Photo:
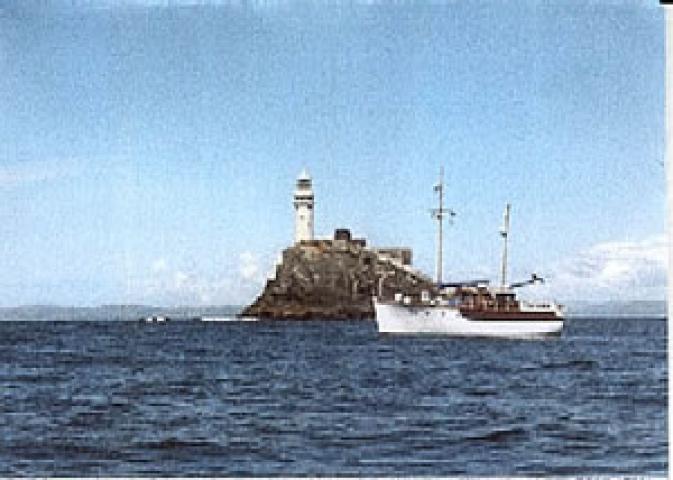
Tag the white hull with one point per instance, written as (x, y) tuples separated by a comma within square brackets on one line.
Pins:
[(405, 319)]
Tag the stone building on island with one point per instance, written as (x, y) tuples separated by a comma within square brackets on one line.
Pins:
[(332, 278)]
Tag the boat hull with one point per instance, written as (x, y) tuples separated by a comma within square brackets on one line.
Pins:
[(396, 318)]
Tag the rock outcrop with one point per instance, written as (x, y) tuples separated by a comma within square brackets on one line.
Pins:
[(332, 279)]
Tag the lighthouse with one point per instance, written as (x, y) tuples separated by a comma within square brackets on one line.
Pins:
[(303, 208)]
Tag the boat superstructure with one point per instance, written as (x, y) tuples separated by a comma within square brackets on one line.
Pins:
[(468, 308)]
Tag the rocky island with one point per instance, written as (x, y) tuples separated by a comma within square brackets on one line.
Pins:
[(332, 278)]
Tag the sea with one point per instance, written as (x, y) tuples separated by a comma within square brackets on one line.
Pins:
[(329, 398)]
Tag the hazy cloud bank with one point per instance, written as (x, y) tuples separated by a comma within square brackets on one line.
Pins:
[(620, 270), (166, 284)]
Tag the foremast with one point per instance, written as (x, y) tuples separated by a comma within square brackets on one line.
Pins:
[(439, 214)]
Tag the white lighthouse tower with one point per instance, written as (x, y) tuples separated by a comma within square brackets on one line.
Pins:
[(303, 208)]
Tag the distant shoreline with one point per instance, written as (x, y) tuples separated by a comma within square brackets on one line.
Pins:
[(575, 310)]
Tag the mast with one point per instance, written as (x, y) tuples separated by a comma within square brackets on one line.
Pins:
[(439, 214), (440, 221), (504, 232)]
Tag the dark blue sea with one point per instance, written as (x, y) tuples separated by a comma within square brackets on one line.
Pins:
[(329, 398)]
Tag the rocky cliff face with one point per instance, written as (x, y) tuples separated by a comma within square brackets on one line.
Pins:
[(332, 279)]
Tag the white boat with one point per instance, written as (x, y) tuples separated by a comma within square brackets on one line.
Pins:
[(155, 319), (467, 308), (531, 320)]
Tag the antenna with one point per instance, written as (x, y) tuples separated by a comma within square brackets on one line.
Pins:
[(439, 214), (504, 231)]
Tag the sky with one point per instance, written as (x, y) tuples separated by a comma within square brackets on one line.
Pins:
[(149, 149)]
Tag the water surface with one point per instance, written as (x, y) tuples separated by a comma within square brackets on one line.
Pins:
[(327, 398)]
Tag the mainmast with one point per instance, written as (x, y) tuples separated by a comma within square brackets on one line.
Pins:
[(504, 232), (439, 214)]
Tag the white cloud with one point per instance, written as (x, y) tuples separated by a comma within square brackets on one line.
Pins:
[(257, 6), (16, 174), (626, 270), (159, 265), (107, 4), (248, 268), (181, 280), (166, 284)]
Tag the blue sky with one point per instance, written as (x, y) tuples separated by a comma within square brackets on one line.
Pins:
[(148, 149)]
